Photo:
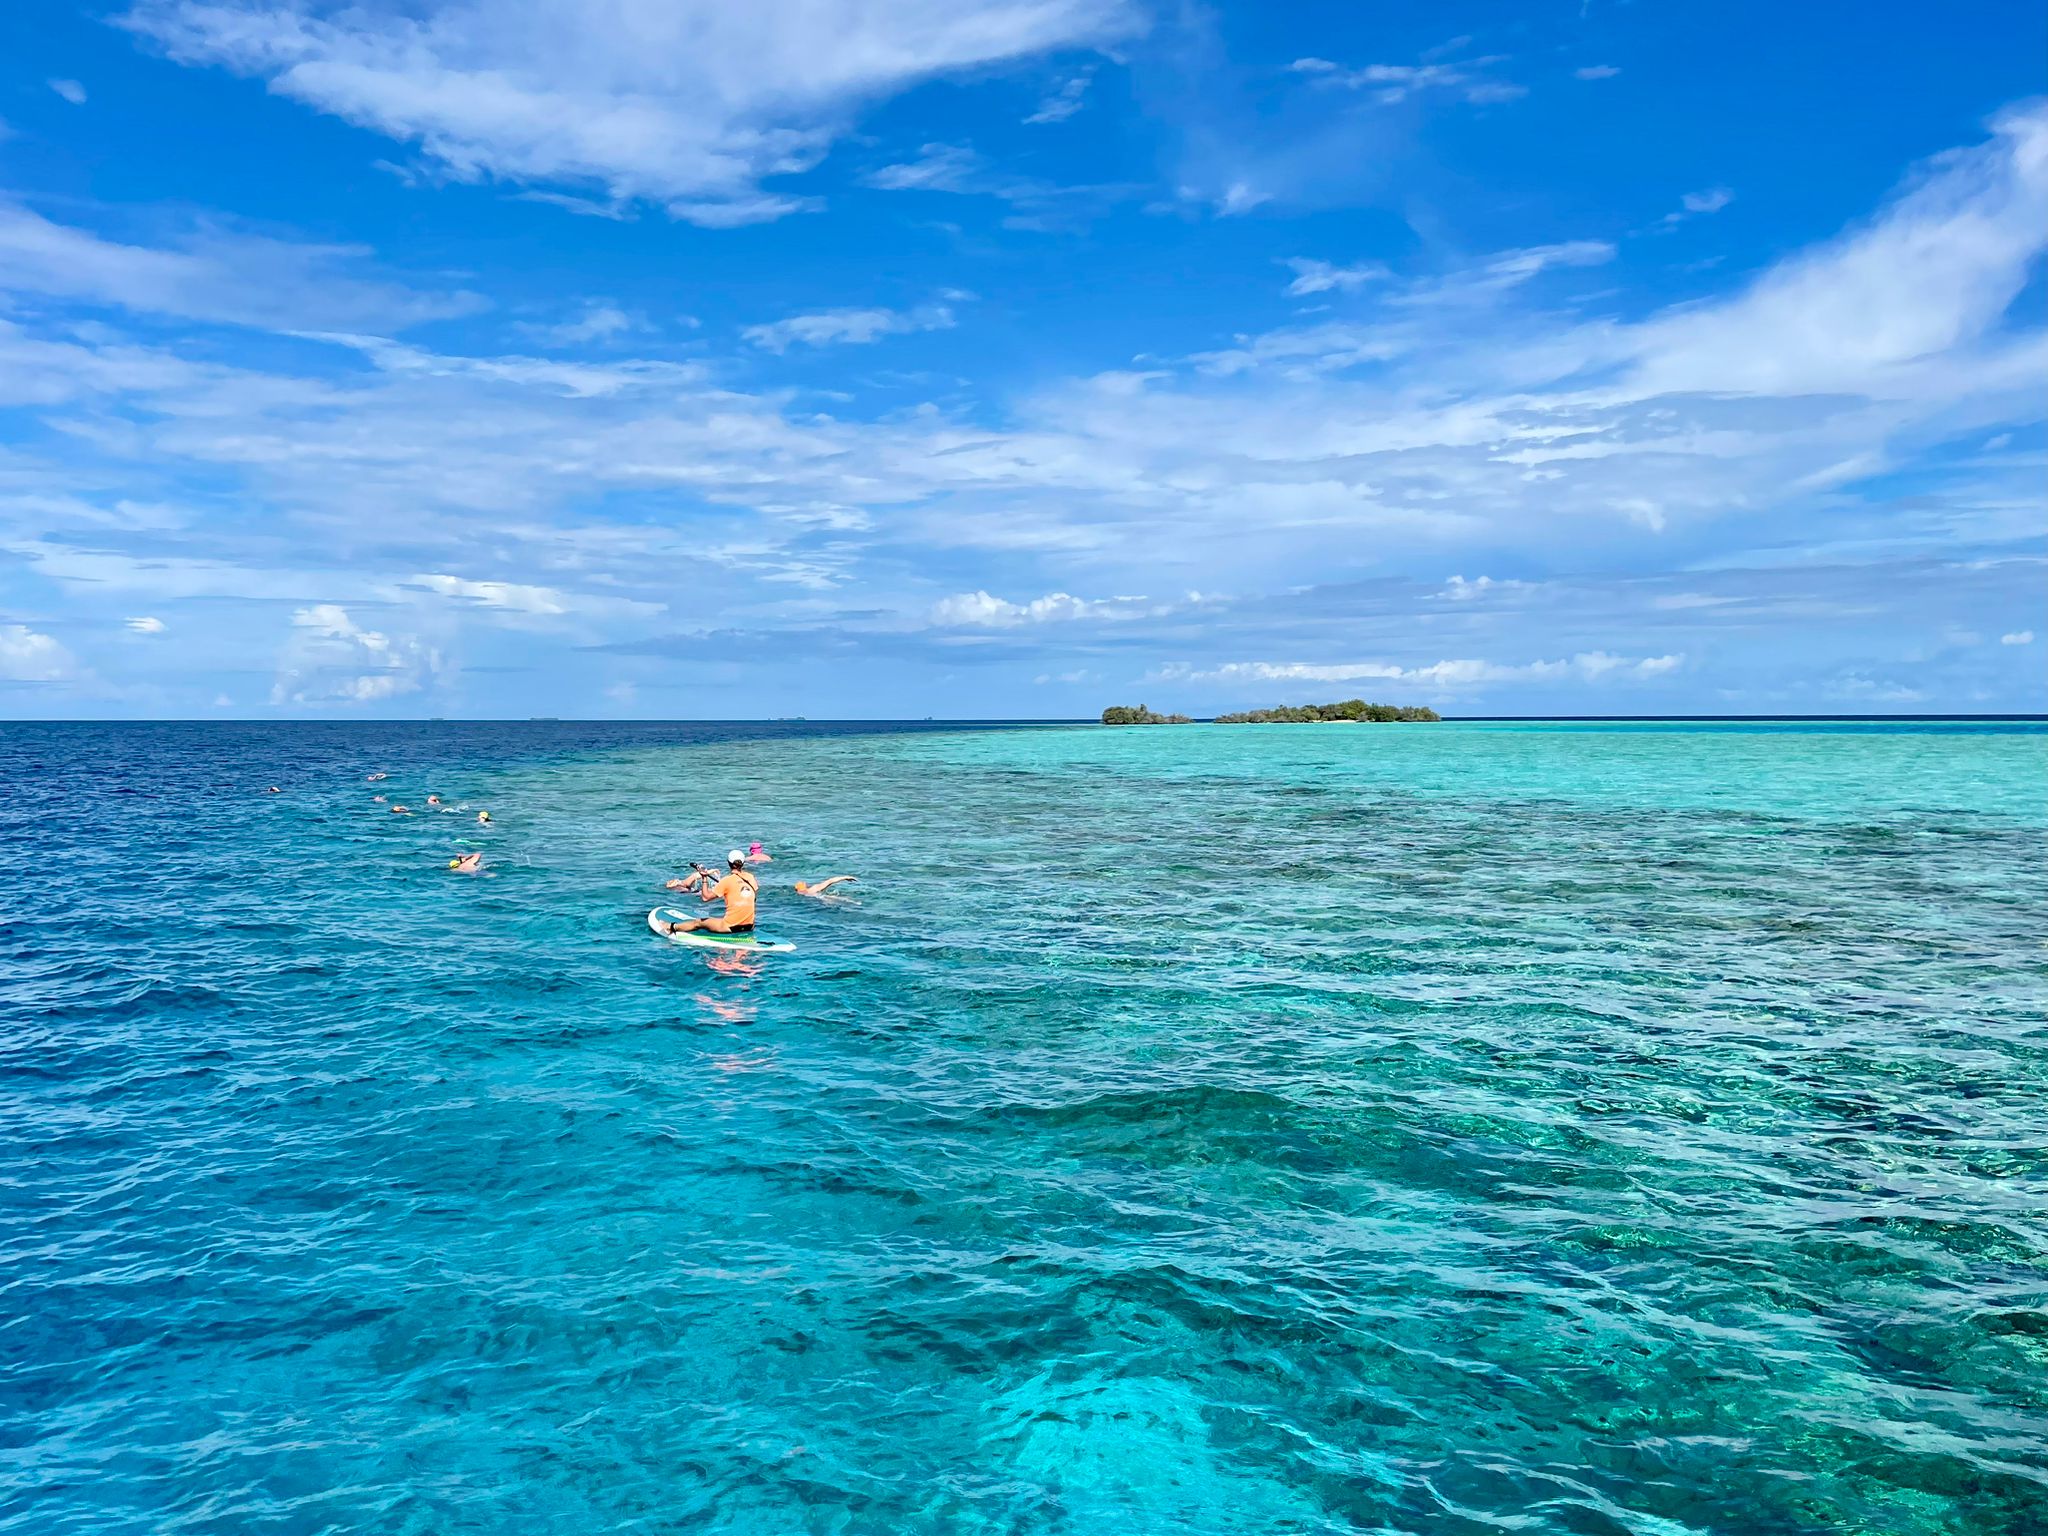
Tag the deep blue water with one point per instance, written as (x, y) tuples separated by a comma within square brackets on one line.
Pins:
[(1451, 1129)]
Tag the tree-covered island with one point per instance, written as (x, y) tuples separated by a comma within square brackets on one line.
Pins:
[(1349, 709), (1128, 714)]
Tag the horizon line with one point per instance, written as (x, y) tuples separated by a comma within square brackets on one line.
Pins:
[(2019, 715)]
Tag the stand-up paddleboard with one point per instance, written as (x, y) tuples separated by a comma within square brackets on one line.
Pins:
[(706, 940)]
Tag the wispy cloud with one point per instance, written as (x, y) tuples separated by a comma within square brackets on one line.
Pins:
[(1312, 276), (598, 323), (833, 327), (1587, 666), (70, 90), (213, 274), (937, 168), (1395, 83), (1064, 102), (688, 104), (1595, 72), (1696, 205)]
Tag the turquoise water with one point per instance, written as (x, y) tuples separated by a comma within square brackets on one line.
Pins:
[(1448, 1129)]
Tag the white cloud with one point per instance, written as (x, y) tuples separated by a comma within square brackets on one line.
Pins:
[(1240, 197), (598, 323), (1395, 83), (937, 168), (1596, 72), (329, 659), (507, 595), (1458, 590), (1420, 436), (847, 326), (1856, 315), (27, 656), (1695, 205), (2017, 637), (70, 90), (1587, 666), (212, 275), (980, 610), (1064, 102), (1321, 276), (737, 212), (518, 599), (146, 624), (688, 103)]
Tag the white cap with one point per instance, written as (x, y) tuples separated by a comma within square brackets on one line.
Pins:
[(735, 857)]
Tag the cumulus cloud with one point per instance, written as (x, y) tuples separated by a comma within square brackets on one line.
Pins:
[(2017, 637), (1417, 436), (980, 610), (847, 327), (27, 656), (330, 659), (688, 104)]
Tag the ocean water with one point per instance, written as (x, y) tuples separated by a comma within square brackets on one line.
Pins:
[(1448, 1129)]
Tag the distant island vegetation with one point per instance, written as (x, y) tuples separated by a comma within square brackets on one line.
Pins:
[(1129, 714), (1288, 714), (1349, 709)]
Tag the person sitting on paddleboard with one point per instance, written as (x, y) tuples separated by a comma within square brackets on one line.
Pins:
[(822, 887), (736, 890)]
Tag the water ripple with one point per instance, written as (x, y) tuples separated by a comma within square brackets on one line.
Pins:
[(1618, 1130)]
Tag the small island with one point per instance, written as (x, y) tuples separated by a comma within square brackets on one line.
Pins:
[(1127, 714), (1349, 710)]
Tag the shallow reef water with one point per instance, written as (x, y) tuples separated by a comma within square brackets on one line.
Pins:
[(1449, 1129)]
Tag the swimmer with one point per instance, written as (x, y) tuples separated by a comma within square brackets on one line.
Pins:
[(433, 799), (756, 854), (736, 890), (467, 864), (375, 777), (401, 810), (822, 887), (376, 799), (274, 790), (483, 818)]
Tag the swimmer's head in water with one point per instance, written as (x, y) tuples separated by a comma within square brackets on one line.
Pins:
[(752, 849)]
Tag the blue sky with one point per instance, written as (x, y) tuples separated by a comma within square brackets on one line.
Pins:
[(677, 358)]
